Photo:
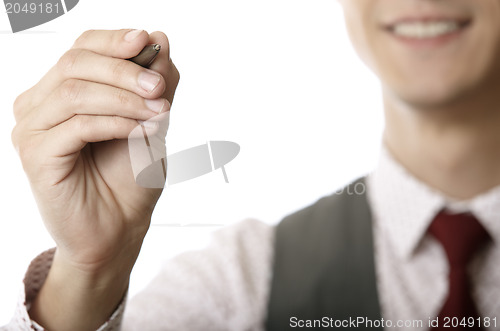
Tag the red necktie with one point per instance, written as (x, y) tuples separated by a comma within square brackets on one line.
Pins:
[(461, 236)]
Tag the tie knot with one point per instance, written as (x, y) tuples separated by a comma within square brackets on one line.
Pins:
[(461, 235)]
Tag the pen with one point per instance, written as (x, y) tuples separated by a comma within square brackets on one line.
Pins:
[(144, 59), (146, 56)]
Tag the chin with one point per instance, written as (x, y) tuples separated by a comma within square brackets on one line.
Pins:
[(434, 90), (424, 97)]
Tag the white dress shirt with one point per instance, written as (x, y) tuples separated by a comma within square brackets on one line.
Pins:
[(226, 286), (412, 268)]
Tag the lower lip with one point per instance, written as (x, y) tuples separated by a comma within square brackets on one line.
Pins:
[(437, 41)]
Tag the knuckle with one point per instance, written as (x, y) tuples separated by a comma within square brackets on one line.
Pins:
[(123, 97), (14, 137), (82, 39), (18, 106), (118, 69), (67, 62), (71, 91), (115, 122), (25, 146), (111, 125), (81, 123), (26, 153)]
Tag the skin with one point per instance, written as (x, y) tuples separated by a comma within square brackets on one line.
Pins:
[(71, 134), (441, 102), (441, 124)]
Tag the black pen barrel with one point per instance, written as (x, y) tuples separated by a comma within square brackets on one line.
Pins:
[(146, 56)]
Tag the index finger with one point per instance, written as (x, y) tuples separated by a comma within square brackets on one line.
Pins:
[(122, 44)]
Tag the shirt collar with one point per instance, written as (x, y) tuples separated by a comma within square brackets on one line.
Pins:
[(486, 207), (403, 206)]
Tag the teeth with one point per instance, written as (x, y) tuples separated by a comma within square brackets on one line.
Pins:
[(422, 30)]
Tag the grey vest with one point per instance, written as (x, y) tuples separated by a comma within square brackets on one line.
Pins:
[(324, 263)]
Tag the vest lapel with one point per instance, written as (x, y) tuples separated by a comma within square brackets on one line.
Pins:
[(324, 263)]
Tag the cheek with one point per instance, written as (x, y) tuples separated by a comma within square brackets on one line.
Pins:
[(487, 47), (361, 36)]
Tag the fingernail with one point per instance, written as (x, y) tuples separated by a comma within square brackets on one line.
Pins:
[(149, 80), (149, 124), (130, 36), (156, 105)]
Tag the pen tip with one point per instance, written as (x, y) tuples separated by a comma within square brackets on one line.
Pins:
[(157, 47)]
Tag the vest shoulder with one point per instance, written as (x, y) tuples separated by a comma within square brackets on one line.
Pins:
[(349, 202)]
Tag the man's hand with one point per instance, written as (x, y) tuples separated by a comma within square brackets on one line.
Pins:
[(71, 134)]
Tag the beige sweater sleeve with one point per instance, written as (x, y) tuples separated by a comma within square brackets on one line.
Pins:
[(223, 287), (33, 281)]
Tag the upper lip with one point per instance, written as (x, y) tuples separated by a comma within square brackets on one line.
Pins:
[(462, 21)]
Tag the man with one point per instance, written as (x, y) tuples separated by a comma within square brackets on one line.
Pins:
[(405, 260)]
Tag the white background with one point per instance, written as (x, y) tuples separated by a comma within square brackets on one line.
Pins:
[(278, 77)]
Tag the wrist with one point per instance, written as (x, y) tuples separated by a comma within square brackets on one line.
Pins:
[(78, 299), (91, 278), (111, 253)]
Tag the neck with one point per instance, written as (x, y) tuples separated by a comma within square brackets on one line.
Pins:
[(454, 149)]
